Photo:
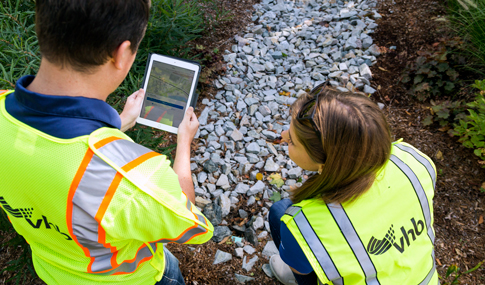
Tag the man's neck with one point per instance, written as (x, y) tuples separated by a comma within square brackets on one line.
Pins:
[(54, 80)]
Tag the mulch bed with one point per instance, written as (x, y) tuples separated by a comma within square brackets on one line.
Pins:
[(458, 204)]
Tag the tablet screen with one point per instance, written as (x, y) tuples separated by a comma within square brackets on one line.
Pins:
[(167, 93)]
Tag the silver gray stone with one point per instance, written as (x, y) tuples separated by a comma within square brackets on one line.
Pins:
[(222, 257)]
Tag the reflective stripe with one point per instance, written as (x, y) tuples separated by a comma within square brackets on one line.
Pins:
[(354, 242), (423, 200), (316, 246), (129, 155), (90, 199), (292, 210), (187, 235), (421, 159), (122, 152), (430, 275), (197, 216)]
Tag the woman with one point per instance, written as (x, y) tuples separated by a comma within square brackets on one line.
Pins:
[(366, 216)]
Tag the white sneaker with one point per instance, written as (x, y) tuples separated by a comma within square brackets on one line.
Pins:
[(281, 270)]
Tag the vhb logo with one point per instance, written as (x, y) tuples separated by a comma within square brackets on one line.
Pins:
[(378, 247), (26, 213)]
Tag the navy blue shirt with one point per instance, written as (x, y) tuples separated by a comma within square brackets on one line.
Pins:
[(64, 117)]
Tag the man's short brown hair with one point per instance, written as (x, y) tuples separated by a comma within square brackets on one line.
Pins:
[(83, 34)]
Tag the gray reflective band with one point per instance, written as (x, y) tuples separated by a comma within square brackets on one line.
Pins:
[(86, 202), (122, 152), (292, 210), (186, 237), (423, 200), (128, 267), (421, 159), (429, 276), (316, 246), (201, 219), (355, 243)]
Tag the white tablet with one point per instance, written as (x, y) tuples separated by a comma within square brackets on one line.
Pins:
[(170, 84)]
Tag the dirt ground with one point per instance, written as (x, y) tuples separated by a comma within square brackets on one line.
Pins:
[(409, 25)]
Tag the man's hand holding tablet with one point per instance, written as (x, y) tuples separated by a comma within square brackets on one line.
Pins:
[(169, 85)]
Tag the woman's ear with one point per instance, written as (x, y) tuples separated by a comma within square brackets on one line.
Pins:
[(320, 168)]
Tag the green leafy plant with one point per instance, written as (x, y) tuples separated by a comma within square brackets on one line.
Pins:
[(471, 129), (433, 72), (466, 18), (445, 113), (455, 270)]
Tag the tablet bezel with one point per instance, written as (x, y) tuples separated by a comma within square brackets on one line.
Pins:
[(190, 65)]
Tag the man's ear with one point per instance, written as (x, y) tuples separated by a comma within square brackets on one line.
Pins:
[(123, 56)]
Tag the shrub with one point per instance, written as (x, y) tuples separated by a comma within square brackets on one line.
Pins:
[(433, 72), (471, 129), (445, 113), (467, 18)]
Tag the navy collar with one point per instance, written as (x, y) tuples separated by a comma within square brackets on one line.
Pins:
[(65, 106)]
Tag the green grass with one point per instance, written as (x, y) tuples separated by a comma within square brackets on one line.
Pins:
[(467, 19)]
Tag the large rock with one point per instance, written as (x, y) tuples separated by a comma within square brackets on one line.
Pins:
[(271, 166), (210, 166), (225, 203), (258, 187), (213, 213), (250, 236), (222, 257), (249, 264), (270, 249), (220, 232), (243, 279)]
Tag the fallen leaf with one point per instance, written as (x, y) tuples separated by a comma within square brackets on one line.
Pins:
[(275, 179), (438, 261), (259, 176), (480, 220), (444, 129), (383, 69), (439, 155), (275, 197), (458, 252), (243, 222), (224, 240)]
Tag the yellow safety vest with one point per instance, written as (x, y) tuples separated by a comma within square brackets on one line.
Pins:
[(385, 236), (96, 208)]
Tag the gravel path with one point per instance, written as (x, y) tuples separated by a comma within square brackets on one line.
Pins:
[(290, 48)]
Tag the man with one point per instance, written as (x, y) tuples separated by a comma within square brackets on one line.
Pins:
[(94, 206)]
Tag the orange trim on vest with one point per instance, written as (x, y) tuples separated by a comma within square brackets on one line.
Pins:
[(105, 141), (137, 161)]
